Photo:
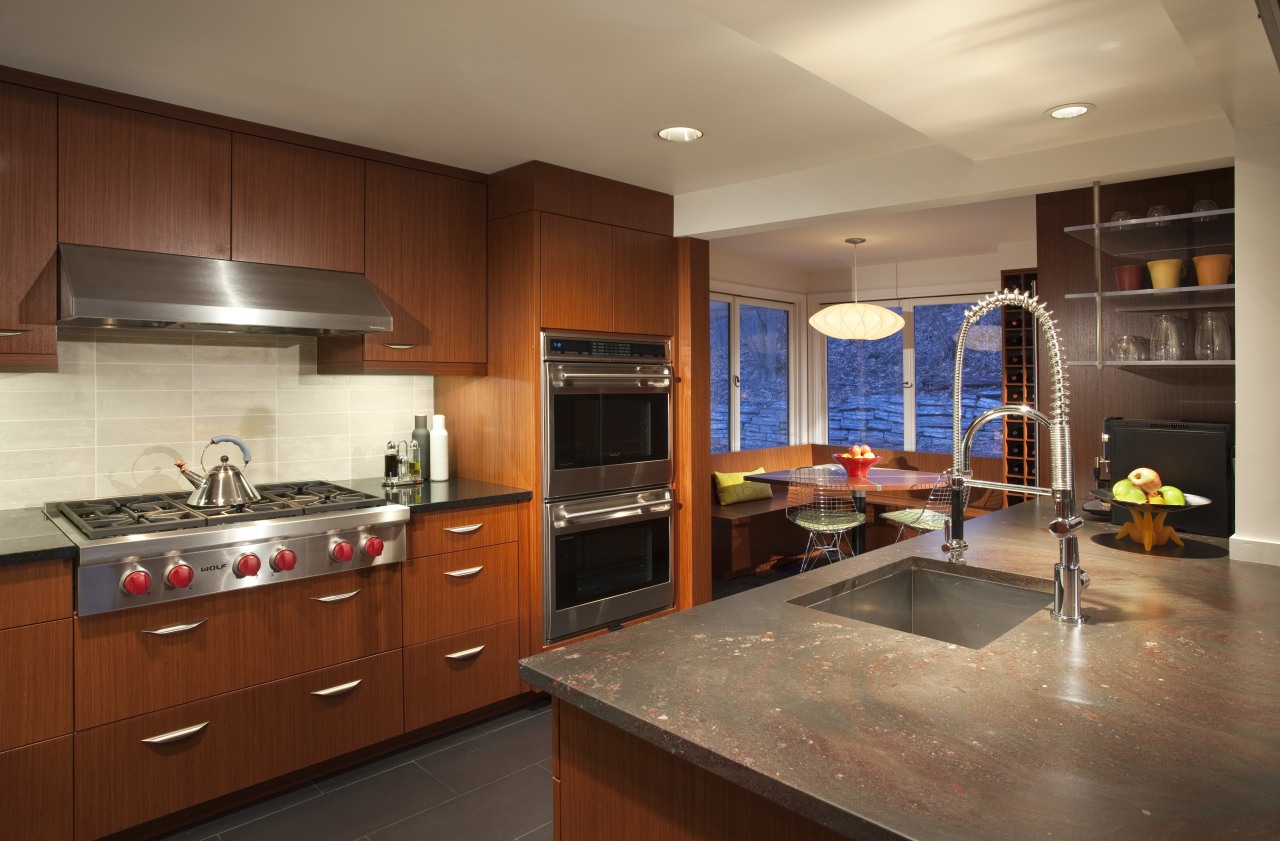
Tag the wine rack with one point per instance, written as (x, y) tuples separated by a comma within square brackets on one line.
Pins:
[(1019, 343)]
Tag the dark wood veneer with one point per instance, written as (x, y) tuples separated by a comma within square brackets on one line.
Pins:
[(536, 185), (36, 797), (577, 274), (35, 592), (644, 283), (436, 687), (692, 422), (35, 683), (437, 605), (428, 534)]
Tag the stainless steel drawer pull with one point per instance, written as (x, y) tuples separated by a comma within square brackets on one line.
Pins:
[(340, 689), (464, 573), (465, 529), (398, 347), (7, 333), (176, 735), (465, 655), (175, 629), (336, 597)]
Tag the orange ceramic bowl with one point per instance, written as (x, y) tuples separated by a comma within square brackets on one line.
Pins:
[(855, 465)]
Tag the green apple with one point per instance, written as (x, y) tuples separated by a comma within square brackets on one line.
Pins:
[(1125, 491), (1172, 496)]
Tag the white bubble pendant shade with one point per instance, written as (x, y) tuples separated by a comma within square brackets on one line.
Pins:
[(856, 321)]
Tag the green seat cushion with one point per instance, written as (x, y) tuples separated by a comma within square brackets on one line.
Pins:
[(828, 522), (916, 518), (731, 488)]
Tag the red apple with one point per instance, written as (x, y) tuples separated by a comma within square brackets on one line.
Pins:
[(1146, 479)]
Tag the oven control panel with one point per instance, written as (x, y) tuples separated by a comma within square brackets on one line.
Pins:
[(604, 347), (143, 579)]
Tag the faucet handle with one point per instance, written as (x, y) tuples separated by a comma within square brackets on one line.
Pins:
[(1064, 526)]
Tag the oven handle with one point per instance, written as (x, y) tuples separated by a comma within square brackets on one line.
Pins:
[(614, 512)]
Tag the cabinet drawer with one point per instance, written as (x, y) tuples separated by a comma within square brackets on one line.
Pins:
[(459, 591), (35, 683), (229, 641), (449, 676), (35, 800), (460, 528), (36, 592), (208, 748)]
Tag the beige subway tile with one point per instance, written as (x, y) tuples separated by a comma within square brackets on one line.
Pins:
[(74, 347), (144, 459), (313, 401), (329, 470), (69, 377), (235, 377), (312, 448), (143, 349), (128, 483), (382, 382), (381, 400), (301, 426), (113, 431), (56, 463), (143, 377), (296, 353), (289, 379), (144, 404), (219, 350), (366, 467), (241, 426), (45, 434), (396, 424), (47, 405), (33, 493), (261, 450), (234, 402)]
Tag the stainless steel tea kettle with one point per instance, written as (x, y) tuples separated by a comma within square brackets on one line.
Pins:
[(225, 484)]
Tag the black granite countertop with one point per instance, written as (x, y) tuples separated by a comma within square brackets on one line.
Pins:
[(26, 535), (1159, 719), (439, 496)]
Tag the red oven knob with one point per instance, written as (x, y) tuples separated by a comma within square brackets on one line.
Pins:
[(284, 560), (137, 582), (373, 547), (179, 576), (342, 551), (248, 565)]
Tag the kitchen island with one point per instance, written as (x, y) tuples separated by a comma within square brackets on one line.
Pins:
[(753, 717)]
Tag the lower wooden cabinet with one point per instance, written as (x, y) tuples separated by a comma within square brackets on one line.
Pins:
[(35, 683), (179, 757), (454, 592), (460, 673), (35, 796)]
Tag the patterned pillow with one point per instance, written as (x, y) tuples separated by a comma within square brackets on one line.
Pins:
[(732, 488)]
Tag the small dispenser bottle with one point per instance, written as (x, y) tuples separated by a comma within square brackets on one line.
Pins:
[(415, 463), (422, 435), (390, 466), (439, 450)]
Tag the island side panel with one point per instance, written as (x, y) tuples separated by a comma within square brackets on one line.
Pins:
[(613, 785)]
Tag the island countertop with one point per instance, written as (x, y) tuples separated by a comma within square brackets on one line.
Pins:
[(1160, 718)]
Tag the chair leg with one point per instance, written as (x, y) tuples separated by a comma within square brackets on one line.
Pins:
[(830, 549)]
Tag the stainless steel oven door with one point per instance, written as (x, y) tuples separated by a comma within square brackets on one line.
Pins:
[(606, 426), (605, 559)]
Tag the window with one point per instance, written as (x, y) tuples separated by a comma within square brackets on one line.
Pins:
[(751, 373), (896, 392)]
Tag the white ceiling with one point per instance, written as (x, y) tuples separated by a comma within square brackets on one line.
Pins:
[(823, 118)]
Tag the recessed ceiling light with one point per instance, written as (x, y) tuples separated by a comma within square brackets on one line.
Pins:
[(1071, 109), (680, 134)]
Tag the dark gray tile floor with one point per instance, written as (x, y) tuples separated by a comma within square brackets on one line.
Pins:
[(488, 782)]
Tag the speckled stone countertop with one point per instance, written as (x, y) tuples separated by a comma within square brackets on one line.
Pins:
[(26, 535), (1160, 719), (439, 496)]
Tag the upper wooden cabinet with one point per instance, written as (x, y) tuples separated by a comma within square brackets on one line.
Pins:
[(29, 232), (425, 254), (296, 206), (143, 182), (605, 278)]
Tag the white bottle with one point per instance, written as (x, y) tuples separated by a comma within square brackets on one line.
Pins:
[(439, 450)]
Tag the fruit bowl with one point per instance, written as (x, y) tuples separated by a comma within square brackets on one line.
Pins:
[(1193, 501), (855, 465)]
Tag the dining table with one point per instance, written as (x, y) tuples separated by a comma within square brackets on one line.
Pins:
[(878, 479)]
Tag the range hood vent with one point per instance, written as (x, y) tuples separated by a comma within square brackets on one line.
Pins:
[(112, 287)]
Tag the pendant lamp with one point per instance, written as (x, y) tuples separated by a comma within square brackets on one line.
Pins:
[(856, 320)]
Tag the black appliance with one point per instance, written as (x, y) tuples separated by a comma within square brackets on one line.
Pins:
[(1198, 458)]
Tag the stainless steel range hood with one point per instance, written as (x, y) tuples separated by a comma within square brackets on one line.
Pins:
[(112, 287)]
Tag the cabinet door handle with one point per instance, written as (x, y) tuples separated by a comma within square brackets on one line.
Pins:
[(466, 654), (398, 347), (340, 689), (336, 597), (176, 735), (465, 529), (175, 629), (464, 573), (4, 334)]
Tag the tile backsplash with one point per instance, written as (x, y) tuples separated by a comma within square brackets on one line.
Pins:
[(124, 405)]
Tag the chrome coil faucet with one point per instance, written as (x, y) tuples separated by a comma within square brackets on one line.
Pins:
[(1069, 580)]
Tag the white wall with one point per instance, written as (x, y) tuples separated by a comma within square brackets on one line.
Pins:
[(1257, 536), (124, 406)]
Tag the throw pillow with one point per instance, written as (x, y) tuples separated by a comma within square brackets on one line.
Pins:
[(731, 488)]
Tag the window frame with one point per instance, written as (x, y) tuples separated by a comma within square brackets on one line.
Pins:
[(736, 295)]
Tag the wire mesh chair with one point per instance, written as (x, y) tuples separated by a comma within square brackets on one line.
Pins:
[(933, 515), (820, 501)]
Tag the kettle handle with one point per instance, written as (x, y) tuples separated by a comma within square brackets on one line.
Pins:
[(231, 439)]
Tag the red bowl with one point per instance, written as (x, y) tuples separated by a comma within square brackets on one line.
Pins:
[(855, 465)]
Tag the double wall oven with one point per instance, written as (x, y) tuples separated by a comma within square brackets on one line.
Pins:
[(606, 456)]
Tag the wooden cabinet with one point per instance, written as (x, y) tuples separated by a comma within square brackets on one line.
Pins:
[(185, 755), (604, 278), (425, 254), (35, 592), (123, 667), (36, 797), (132, 180), (35, 683), (461, 604), (28, 233), (296, 206)]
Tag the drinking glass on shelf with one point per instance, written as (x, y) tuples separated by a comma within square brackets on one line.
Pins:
[(1127, 349), (1204, 206), (1157, 210), (1168, 338), (1213, 336), (1121, 216)]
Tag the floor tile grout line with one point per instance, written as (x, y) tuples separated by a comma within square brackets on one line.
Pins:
[(537, 764), (456, 793), (535, 829)]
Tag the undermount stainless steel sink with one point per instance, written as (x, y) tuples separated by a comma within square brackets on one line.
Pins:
[(964, 605)]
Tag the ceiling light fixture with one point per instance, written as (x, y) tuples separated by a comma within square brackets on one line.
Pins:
[(679, 134), (1070, 110), (856, 320)]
